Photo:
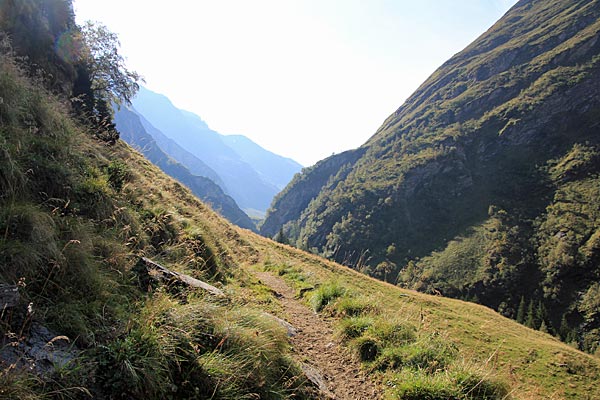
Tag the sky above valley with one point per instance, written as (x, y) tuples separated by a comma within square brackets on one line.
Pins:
[(302, 78)]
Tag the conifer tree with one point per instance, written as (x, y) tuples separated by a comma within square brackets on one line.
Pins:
[(281, 238), (541, 317), (530, 318), (521, 311), (564, 330)]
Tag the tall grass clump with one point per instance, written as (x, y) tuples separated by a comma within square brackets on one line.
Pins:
[(413, 363), (325, 295), (353, 306), (201, 349), (455, 384)]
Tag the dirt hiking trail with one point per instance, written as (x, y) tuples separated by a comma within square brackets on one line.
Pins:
[(324, 361)]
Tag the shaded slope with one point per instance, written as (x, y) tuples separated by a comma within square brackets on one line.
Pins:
[(133, 132), (178, 153), (290, 202), (252, 189), (477, 138)]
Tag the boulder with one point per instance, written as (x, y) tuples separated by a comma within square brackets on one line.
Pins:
[(150, 271)]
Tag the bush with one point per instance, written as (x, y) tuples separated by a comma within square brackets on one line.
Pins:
[(118, 174)]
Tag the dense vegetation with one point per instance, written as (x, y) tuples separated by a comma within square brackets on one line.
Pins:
[(483, 185)]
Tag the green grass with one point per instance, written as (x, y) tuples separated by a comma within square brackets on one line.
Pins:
[(430, 345), (75, 216), (72, 230), (325, 295)]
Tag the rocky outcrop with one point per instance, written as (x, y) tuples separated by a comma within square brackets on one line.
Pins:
[(151, 272)]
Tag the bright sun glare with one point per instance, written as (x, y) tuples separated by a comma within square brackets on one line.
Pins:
[(302, 78)]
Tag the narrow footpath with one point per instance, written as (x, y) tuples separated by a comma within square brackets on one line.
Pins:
[(337, 374)]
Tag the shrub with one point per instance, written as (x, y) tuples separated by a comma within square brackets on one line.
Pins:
[(118, 174)]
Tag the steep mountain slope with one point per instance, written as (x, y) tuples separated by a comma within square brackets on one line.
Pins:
[(491, 163), (133, 131), (303, 188), (252, 188), (83, 317), (273, 168), (169, 146)]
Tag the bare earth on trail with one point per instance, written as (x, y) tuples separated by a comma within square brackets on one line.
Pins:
[(322, 357)]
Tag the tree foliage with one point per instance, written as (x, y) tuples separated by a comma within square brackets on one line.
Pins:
[(103, 78)]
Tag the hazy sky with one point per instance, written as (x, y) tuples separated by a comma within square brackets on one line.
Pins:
[(302, 78)]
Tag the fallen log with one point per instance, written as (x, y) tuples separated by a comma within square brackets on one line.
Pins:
[(154, 271)]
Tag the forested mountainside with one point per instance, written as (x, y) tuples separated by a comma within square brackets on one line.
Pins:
[(249, 173), (117, 283), (132, 130), (484, 184)]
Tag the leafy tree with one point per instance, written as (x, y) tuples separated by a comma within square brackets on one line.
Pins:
[(103, 79)]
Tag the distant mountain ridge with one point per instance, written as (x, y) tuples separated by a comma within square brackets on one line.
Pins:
[(484, 183), (134, 130), (246, 171)]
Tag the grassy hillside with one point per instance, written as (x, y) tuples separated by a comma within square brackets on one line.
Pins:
[(77, 214), (482, 185), (132, 131), (423, 341)]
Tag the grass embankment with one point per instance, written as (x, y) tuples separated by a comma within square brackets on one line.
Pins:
[(422, 346), (75, 216)]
